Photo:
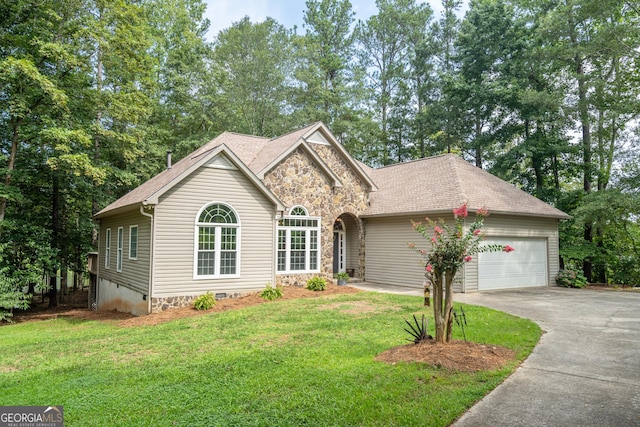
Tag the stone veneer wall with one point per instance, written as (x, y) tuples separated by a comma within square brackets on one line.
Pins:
[(299, 181), (159, 305)]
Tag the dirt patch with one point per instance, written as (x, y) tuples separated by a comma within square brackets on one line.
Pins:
[(456, 355), (357, 307)]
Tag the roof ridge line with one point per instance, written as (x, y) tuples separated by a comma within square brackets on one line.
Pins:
[(414, 161), (458, 182), (293, 131)]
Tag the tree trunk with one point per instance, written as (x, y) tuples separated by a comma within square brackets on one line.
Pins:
[(438, 317), (583, 107), (443, 306), (55, 233), (448, 305), (478, 132), (96, 139), (10, 167)]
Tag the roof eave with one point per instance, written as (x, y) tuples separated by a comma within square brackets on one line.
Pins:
[(154, 198), (117, 211), (558, 217)]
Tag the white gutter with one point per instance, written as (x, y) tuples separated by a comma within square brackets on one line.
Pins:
[(151, 253)]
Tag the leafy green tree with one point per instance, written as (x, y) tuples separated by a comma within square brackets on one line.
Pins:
[(387, 49), (77, 78), (451, 248), (120, 40), (444, 111), (485, 46), (255, 62), (588, 40), (324, 62), (186, 112)]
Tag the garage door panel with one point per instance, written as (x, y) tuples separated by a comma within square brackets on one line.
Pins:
[(525, 266)]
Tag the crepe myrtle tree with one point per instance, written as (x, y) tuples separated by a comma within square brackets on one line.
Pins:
[(451, 247)]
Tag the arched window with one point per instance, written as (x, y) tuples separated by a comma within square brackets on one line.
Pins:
[(298, 242), (217, 240)]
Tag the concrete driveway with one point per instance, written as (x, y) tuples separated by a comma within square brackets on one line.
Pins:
[(584, 372)]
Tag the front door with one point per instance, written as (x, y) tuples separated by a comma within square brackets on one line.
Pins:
[(339, 247)]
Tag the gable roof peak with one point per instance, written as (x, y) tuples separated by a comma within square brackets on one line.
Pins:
[(441, 183)]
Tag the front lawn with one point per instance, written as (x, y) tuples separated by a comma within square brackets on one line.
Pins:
[(295, 362)]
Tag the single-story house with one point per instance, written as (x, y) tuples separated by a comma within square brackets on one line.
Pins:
[(243, 211)]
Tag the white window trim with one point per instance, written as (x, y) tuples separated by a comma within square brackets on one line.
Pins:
[(107, 248), (308, 249), (218, 243), (131, 227), (119, 249)]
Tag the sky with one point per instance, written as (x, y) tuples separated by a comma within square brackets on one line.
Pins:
[(223, 13)]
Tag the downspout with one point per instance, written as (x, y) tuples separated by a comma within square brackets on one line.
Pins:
[(151, 252), (274, 247), (98, 271)]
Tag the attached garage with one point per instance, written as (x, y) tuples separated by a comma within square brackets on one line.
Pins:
[(432, 188), (525, 267)]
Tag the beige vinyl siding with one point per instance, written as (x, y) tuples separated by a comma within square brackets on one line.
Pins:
[(388, 260), (518, 226), (135, 273), (387, 256), (175, 218)]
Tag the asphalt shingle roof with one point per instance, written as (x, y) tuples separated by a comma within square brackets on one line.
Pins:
[(434, 184), (441, 183)]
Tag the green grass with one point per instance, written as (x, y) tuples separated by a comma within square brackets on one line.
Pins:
[(295, 362)]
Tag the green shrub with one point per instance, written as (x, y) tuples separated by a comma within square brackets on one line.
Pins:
[(343, 276), (11, 295), (317, 283), (270, 293), (570, 278), (204, 302)]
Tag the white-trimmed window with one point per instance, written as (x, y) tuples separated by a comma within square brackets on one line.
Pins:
[(119, 253), (217, 238), (133, 242), (107, 248), (298, 242)]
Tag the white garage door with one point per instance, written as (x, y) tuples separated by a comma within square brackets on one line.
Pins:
[(525, 266)]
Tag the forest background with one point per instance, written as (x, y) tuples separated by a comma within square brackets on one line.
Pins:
[(93, 93)]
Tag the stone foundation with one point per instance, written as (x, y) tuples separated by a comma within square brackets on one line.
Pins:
[(298, 280), (159, 305)]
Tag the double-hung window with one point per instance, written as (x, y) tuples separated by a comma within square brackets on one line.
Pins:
[(133, 242), (217, 241), (119, 249), (298, 242), (107, 248)]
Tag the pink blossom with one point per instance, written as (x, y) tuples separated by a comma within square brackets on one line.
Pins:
[(467, 258), (508, 248), (433, 240), (476, 232), (411, 245), (482, 212), (437, 230), (429, 268), (461, 211)]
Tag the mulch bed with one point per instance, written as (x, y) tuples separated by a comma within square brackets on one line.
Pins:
[(456, 355)]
